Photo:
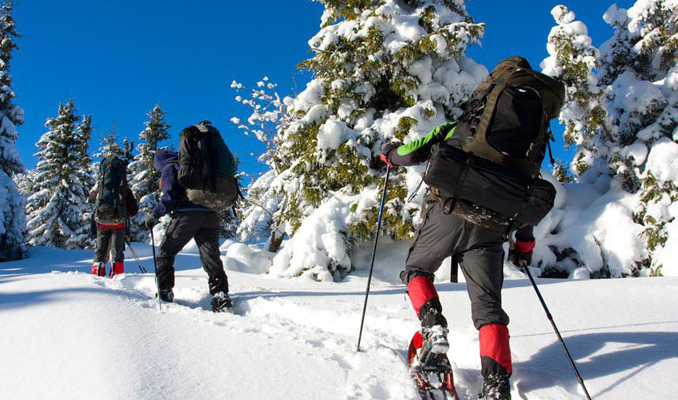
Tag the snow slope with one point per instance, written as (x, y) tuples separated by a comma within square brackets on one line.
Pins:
[(65, 334)]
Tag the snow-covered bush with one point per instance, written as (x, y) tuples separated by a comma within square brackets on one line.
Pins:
[(267, 115)]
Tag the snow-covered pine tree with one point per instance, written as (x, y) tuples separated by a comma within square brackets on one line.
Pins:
[(83, 170), (12, 215), (57, 206), (622, 111), (639, 66), (572, 60), (81, 145), (109, 145), (128, 149), (384, 70), (144, 177)]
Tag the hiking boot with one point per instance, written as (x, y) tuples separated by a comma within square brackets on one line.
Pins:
[(433, 333), (496, 387), (435, 340), (167, 295), (221, 302)]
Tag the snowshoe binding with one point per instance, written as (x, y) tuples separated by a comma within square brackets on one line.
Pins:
[(221, 303), (429, 366)]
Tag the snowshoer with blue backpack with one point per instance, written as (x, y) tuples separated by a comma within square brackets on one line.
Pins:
[(484, 182), (196, 184)]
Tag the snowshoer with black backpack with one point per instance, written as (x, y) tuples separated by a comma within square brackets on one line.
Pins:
[(484, 182), (114, 205), (196, 183)]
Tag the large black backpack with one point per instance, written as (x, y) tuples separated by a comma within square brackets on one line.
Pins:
[(207, 167), (110, 208), (488, 170)]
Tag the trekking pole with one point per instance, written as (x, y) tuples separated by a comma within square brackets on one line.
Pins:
[(526, 268), (374, 252), (136, 256), (155, 267)]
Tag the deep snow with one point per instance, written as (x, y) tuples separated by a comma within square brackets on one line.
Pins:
[(68, 335)]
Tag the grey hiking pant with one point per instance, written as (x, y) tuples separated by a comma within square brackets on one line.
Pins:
[(110, 241), (203, 226), (480, 255)]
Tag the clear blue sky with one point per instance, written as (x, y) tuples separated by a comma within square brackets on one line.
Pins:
[(117, 59)]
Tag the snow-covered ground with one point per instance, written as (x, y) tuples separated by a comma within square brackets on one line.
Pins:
[(65, 334)]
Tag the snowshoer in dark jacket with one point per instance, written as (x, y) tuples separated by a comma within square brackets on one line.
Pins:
[(189, 221), (478, 251), (110, 237)]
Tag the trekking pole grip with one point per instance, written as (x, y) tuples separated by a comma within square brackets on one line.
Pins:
[(374, 252)]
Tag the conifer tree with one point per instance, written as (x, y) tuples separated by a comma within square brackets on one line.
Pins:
[(572, 60), (81, 145), (383, 71), (144, 177), (83, 169), (639, 65), (12, 215), (109, 145), (57, 208), (127, 149), (622, 111)]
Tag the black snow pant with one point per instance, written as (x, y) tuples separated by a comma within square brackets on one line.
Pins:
[(110, 241), (480, 255), (203, 226)]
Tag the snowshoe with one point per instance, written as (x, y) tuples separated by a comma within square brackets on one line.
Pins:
[(432, 373), (221, 303)]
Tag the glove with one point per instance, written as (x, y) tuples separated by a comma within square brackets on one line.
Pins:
[(520, 254), (388, 147), (150, 221)]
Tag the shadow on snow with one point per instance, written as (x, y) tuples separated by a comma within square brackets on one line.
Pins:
[(638, 350)]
